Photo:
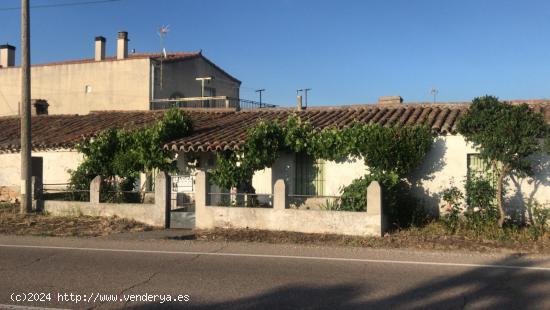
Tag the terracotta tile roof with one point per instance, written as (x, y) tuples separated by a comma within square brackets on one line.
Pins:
[(229, 132), (222, 129), (64, 131)]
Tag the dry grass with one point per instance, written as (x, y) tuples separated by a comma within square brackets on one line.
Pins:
[(433, 237), (11, 222)]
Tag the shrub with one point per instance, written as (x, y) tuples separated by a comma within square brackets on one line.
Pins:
[(539, 222), (482, 207), (453, 197)]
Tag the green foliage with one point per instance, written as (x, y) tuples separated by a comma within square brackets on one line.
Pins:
[(391, 150), (482, 209), (506, 135), (540, 217), (119, 155), (453, 197)]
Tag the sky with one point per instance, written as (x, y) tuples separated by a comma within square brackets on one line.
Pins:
[(347, 52)]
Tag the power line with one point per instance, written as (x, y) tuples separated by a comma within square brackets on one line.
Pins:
[(56, 5)]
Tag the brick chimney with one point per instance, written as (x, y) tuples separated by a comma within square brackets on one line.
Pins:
[(7, 55), (122, 45), (100, 48), (390, 100)]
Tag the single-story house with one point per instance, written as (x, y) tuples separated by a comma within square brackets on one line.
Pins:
[(448, 162)]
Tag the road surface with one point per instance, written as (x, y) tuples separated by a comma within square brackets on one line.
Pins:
[(143, 274)]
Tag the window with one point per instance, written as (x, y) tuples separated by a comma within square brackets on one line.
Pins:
[(88, 89), (478, 167), (309, 176)]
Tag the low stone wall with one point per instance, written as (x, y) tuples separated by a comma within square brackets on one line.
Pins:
[(145, 213), (157, 214), (305, 221), (370, 223)]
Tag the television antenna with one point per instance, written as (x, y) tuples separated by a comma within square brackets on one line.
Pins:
[(162, 32), (434, 92)]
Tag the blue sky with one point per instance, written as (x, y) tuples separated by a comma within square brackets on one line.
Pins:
[(346, 51)]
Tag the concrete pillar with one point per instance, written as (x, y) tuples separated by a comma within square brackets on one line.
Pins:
[(162, 197), (200, 189), (279, 195), (374, 207), (95, 187)]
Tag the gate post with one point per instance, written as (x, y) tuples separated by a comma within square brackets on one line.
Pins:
[(162, 198), (374, 208)]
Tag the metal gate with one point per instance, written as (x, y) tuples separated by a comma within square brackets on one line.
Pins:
[(182, 201)]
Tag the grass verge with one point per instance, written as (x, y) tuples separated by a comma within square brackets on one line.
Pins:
[(433, 236), (37, 224)]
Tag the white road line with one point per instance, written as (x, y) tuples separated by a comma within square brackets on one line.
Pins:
[(338, 259)]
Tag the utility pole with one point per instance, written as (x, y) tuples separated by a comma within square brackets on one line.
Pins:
[(26, 169), (305, 92), (260, 92)]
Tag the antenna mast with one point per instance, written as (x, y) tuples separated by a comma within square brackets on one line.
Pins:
[(162, 32)]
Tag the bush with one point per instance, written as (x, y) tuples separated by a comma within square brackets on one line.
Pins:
[(453, 197), (482, 207), (400, 206), (539, 222)]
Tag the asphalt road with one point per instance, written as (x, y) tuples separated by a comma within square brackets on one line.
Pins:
[(261, 276)]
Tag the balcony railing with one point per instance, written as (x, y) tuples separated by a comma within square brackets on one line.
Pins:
[(218, 102)]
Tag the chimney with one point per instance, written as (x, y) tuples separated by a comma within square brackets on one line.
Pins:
[(390, 100), (99, 48), (299, 103), (122, 45), (7, 55)]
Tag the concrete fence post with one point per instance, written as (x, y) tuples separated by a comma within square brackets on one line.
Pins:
[(162, 198), (375, 209), (95, 187), (201, 196), (279, 195)]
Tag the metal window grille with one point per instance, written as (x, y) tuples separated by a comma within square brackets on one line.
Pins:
[(309, 175)]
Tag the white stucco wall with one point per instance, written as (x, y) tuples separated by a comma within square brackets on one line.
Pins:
[(444, 165), (55, 169)]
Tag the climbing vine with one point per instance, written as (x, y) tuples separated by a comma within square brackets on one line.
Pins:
[(386, 150)]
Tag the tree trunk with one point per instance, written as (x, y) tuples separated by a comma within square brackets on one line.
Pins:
[(501, 177)]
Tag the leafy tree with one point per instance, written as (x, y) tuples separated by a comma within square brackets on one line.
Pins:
[(119, 155), (506, 135)]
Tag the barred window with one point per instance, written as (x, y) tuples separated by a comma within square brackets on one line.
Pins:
[(309, 176)]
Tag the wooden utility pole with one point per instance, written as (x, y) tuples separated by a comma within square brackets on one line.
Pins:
[(26, 170)]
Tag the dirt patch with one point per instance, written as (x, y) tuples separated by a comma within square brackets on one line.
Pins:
[(431, 237), (11, 222)]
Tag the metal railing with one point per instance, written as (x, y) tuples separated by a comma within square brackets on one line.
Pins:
[(217, 102), (61, 191), (315, 202), (240, 200)]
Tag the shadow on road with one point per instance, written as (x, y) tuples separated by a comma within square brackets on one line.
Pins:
[(482, 287)]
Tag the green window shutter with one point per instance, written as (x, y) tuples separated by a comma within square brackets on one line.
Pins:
[(310, 178)]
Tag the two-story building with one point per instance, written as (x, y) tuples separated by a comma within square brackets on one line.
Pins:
[(126, 81)]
